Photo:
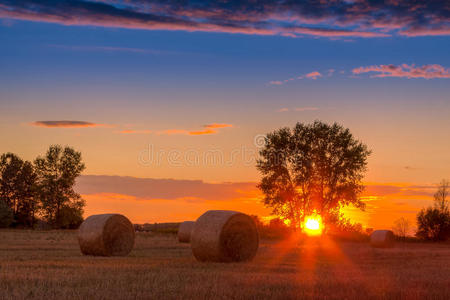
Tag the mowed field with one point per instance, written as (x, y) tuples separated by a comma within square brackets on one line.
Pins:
[(49, 265)]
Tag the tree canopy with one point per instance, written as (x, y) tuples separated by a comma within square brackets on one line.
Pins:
[(312, 168), (57, 171), (43, 189)]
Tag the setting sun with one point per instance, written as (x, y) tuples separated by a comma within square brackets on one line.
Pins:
[(313, 225)]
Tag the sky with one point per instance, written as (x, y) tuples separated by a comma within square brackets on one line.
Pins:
[(168, 100)]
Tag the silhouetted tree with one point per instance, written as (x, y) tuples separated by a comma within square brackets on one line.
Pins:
[(6, 215), (401, 227), (440, 197), (312, 167), (57, 171), (17, 188), (433, 223)]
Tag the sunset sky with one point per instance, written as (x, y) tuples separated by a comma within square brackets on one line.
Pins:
[(167, 100)]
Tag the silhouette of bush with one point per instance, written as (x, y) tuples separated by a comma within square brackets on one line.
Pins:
[(433, 224)]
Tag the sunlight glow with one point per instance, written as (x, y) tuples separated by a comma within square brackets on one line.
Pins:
[(313, 225)]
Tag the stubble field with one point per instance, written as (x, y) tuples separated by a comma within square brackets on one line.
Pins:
[(49, 265)]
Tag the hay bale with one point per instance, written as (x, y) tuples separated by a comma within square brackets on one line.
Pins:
[(224, 236), (184, 231), (382, 239), (106, 235)]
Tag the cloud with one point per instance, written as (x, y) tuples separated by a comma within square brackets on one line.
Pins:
[(170, 189), (110, 49), (332, 19), (209, 129), (217, 125), (165, 200), (202, 132), (313, 75), (276, 82), (405, 71), (131, 131), (67, 124), (307, 108)]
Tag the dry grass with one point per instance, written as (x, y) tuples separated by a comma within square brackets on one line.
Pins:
[(49, 265)]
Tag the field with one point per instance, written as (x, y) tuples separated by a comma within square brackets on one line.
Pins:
[(48, 265)]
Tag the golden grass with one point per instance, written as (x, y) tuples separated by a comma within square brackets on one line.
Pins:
[(49, 265)]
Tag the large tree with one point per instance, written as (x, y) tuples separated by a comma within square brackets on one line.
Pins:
[(57, 170), (312, 168), (17, 188), (433, 223)]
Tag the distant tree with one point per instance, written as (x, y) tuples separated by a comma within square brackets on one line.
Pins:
[(17, 188), (56, 173), (440, 197), (6, 215), (401, 227), (433, 223), (312, 167)]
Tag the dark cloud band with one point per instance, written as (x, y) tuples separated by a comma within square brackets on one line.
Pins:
[(339, 18)]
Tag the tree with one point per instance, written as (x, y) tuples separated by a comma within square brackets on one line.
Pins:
[(6, 215), (440, 197), (401, 227), (433, 223), (311, 168), (17, 188), (57, 172)]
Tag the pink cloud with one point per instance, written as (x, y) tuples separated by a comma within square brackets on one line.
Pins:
[(405, 71), (313, 75), (276, 82)]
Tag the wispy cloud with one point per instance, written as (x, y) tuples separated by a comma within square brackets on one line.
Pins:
[(276, 82), (208, 129), (331, 19), (131, 131), (307, 108), (202, 132), (67, 124), (405, 71), (217, 125), (111, 49), (312, 75)]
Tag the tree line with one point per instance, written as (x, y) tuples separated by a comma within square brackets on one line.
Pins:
[(41, 190)]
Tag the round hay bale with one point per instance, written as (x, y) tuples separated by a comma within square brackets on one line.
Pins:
[(184, 231), (224, 236), (382, 239), (106, 235)]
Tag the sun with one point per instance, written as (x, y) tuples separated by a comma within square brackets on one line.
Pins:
[(313, 225)]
